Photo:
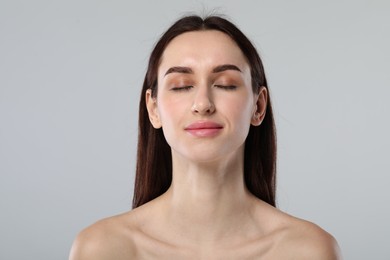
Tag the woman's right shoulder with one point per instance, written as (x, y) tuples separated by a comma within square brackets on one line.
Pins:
[(110, 238)]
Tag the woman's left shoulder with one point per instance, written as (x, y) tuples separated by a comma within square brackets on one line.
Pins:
[(295, 238), (307, 240)]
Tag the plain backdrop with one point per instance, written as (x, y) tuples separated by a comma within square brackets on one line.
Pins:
[(70, 78)]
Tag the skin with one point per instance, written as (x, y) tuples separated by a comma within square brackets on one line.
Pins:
[(207, 213)]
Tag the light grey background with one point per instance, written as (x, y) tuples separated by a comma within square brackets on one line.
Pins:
[(70, 78)]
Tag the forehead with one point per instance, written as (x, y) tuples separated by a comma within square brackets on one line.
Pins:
[(209, 47)]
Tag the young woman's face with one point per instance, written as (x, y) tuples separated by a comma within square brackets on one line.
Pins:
[(205, 103)]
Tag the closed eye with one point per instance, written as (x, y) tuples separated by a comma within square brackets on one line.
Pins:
[(226, 87), (184, 88)]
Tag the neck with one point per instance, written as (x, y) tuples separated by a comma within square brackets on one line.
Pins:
[(210, 196)]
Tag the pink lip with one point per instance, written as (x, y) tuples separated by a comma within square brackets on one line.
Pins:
[(203, 129)]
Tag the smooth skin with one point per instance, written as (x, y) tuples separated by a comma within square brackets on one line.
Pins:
[(207, 213)]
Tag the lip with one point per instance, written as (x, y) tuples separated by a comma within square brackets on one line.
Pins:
[(204, 129)]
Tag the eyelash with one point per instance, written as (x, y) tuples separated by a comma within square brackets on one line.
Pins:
[(184, 88), (227, 87), (187, 88)]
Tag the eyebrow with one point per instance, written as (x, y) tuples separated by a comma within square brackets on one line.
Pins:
[(187, 70), (225, 67), (177, 69)]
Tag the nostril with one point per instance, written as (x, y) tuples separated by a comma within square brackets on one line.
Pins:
[(203, 107)]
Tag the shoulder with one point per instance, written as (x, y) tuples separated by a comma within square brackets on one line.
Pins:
[(294, 238), (110, 238), (306, 240)]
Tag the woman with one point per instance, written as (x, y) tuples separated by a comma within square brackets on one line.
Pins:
[(205, 180)]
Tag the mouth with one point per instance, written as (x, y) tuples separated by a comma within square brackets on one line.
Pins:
[(204, 129)]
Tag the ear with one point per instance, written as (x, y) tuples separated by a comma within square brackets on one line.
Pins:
[(151, 105), (260, 107)]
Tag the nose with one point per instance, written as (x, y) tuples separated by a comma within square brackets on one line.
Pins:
[(203, 103)]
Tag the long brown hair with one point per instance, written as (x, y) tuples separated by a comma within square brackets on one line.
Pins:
[(154, 160)]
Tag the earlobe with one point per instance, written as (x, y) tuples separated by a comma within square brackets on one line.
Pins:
[(151, 105), (260, 107)]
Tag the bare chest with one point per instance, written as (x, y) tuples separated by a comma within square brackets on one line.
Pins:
[(159, 250)]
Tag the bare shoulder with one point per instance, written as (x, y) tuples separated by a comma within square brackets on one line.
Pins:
[(110, 238), (294, 238), (312, 242), (305, 240)]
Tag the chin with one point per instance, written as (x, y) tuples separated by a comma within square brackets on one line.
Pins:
[(212, 154)]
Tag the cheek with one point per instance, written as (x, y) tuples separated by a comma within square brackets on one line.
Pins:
[(239, 109), (170, 110)]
